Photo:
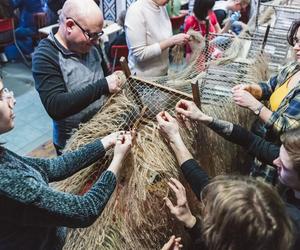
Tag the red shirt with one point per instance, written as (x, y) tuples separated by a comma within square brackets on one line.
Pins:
[(192, 22)]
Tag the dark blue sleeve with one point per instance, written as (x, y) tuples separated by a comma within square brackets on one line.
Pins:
[(265, 151), (195, 176)]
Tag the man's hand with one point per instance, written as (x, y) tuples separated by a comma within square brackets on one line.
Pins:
[(181, 210), (173, 244), (115, 81), (187, 109)]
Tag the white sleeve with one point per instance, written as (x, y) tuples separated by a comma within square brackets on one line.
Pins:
[(136, 29)]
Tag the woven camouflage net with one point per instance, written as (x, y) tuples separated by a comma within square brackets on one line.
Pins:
[(136, 216), (130, 219)]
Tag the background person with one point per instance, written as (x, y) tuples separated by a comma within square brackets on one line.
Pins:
[(282, 91), (26, 27), (69, 72), (230, 10), (149, 37)]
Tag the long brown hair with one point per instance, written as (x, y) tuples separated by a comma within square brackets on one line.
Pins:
[(241, 213)]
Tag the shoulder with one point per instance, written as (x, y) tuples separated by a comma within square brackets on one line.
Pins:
[(135, 7), (17, 184), (190, 20), (287, 70), (45, 54), (134, 13), (45, 49)]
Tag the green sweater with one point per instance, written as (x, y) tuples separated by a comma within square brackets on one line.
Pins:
[(32, 214)]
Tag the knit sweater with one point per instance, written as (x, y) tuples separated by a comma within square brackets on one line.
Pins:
[(146, 25), (32, 214)]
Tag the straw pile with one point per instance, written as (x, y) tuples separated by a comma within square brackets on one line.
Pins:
[(136, 216)]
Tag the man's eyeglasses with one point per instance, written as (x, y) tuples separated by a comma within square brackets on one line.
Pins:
[(91, 36), (6, 95)]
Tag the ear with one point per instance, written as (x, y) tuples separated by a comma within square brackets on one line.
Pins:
[(69, 25)]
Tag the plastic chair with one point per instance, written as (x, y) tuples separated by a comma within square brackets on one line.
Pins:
[(177, 21), (116, 52), (40, 21), (8, 37)]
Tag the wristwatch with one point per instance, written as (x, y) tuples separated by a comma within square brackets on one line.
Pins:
[(258, 109)]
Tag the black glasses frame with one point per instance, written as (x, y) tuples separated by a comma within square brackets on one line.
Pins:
[(91, 36)]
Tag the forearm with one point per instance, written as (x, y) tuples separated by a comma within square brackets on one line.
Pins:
[(226, 27), (52, 208), (255, 145), (167, 43), (66, 165), (223, 128), (195, 176), (265, 114), (181, 152), (115, 165), (60, 104)]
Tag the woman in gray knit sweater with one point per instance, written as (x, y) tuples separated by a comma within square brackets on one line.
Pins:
[(34, 215)]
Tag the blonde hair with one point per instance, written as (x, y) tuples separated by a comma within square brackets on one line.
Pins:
[(241, 213), (291, 142)]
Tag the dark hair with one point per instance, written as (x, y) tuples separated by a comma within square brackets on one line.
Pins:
[(293, 32), (201, 8)]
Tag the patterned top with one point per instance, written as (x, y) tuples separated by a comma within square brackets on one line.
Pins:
[(32, 214), (287, 116)]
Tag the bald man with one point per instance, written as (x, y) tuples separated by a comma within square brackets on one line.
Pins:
[(69, 70)]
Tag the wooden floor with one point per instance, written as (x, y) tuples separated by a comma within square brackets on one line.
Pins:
[(46, 150)]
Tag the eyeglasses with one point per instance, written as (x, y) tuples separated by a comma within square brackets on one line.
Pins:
[(91, 36), (7, 95)]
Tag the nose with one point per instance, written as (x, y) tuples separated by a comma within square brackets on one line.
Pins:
[(11, 102), (276, 162)]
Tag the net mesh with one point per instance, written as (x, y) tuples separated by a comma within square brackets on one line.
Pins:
[(136, 216)]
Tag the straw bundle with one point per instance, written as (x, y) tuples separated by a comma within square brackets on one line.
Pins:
[(136, 216)]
